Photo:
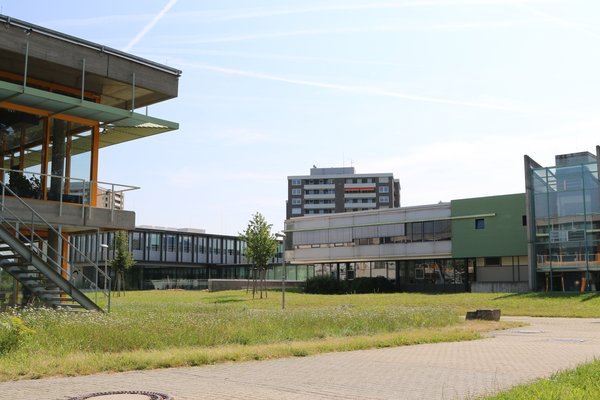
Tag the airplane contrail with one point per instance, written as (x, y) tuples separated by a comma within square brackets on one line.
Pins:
[(150, 25), (368, 90)]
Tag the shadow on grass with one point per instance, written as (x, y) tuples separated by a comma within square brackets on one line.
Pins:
[(225, 300), (550, 295)]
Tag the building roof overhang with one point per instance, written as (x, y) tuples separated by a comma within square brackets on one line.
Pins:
[(117, 125), (117, 78)]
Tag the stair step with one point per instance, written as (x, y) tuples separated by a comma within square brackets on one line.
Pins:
[(57, 298), (43, 290), (26, 261)]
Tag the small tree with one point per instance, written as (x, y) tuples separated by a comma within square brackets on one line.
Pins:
[(122, 262), (261, 247)]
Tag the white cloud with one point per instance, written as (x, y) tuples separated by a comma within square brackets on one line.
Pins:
[(482, 166)]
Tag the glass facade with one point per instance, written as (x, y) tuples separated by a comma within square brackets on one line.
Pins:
[(44, 157), (182, 260), (434, 275), (566, 209)]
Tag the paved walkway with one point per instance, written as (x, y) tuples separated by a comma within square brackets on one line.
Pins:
[(429, 371)]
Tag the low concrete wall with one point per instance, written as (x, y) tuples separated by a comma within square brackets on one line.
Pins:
[(73, 215), (499, 287), (217, 285)]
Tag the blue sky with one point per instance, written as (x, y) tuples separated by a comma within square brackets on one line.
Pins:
[(446, 94)]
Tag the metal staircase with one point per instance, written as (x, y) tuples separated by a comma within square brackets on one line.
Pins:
[(40, 268)]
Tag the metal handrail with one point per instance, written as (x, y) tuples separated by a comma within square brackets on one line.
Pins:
[(31, 241), (84, 183)]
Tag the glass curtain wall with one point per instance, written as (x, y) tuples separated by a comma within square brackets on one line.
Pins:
[(45, 157), (567, 222)]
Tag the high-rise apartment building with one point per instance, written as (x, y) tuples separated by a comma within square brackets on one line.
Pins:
[(336, 190)]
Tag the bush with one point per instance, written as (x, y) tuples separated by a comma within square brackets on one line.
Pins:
[(378, 284), (327, 285), (12, 331)]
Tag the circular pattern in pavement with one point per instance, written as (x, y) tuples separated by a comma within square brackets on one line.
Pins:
[(124, 395)]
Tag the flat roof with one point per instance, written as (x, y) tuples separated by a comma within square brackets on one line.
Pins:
[(51, 60), (7, 20)]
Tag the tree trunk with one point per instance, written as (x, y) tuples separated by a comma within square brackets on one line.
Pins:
[(253, 282)]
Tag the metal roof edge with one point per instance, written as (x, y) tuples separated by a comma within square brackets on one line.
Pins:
[(85, 43)]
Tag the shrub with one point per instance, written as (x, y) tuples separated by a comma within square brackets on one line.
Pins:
[(378, 284), (12, 331), (325, 285)]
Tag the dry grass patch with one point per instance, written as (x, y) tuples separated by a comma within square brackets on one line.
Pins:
[(84, 363)]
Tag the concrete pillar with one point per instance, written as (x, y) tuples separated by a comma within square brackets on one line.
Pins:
[(59, 133)]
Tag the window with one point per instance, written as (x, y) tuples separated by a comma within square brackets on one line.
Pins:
[(417, 231), (491, 261), (428, 231), (384, 189), (384, 199), (296, 182), (170, 239), (480, 223), (154, 241), (136, 241), (524, 220), (296, 192), (296, 201), (296, 211), (443, 230), (186, 243)]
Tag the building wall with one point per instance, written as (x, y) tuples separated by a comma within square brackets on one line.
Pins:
[(336, 190), (564, 209), (503, 233), (167, 258), (385, 234)]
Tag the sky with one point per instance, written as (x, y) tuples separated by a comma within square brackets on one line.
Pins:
[(448, 95)]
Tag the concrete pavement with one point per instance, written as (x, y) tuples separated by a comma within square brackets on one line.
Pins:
[(430, 371)]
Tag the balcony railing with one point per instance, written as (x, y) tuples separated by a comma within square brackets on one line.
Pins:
[(33, 185)]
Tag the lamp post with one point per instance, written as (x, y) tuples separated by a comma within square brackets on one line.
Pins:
[(282, 236), (105, 246)]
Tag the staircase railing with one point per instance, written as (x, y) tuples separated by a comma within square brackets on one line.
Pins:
[(25, 230)]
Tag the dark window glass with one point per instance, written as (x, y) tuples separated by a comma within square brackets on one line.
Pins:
[(492, 261), (154, 241), (428, 231), (443, 230), (480, 223), (417, 231), (136, 240)]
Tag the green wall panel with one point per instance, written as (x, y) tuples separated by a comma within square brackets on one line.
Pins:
[(503, 235)]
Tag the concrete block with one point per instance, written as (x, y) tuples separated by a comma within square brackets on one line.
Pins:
[(484, 314)]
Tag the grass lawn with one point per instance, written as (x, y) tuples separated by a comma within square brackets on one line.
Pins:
[(581, 383), (157, 329)]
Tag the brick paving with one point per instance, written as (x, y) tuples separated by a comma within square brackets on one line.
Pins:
[(439, 371)]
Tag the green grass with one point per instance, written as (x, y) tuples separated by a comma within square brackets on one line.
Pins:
[(581, 383), (176, 328)]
